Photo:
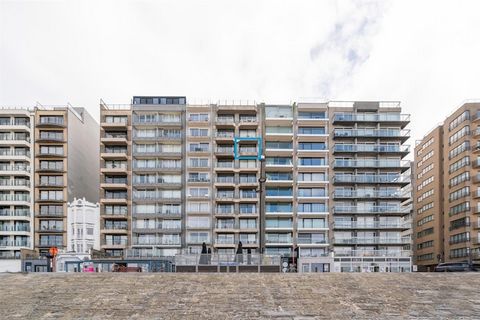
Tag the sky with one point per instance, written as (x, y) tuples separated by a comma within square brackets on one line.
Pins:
[(425, 54)]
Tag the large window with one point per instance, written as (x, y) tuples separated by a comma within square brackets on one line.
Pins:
[(311, 130), (52, 150), (56, 195)]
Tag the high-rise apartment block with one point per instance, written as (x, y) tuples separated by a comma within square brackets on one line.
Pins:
[(446, 190), (315, 179), (45, 159)]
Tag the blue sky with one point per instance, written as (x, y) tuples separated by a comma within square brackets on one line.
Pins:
[(423, 53)]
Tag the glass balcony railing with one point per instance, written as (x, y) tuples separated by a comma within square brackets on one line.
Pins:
[(15, 153), (15, 197), (373, 253), (364, 163), (376, 117), (14, 243), (312, 241), (371, 148), (14, 213), (372, 209), (372, 178), (371, 240), (17, 228), (370, 225), (386, 133), (368, 194)]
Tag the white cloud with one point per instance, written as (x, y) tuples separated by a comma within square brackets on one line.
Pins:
[(423, 53)]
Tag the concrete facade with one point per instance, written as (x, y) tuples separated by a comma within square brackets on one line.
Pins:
[(177, 175)]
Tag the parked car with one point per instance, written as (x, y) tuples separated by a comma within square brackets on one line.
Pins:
[(457, 267)]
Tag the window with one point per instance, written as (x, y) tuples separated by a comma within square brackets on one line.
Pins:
[(57, 120), (278, 112), (311, 161), (458, 150), (465, 161), (116, 119), (459, 208), (51, 225), (198, 222), (51, 240), (52, 150), (199, 162), (425, 220), (311, 192), (426, 244), (458, 120), (313, 176), (278, 145), (278, 130), (198, 192), (51, 210), (425, 208), (51, 135), (199, 117), (278, 161), (311, 130), (424, 232), (51, 180), (312, 207), (199, 147), (278, 207), (425, 183), (465, 176), (198, 132), (56, 195), (312, 115), (425, 170), (460, 193), (425, 195), (279, 191), (460, 237), (279, 176), (315, 146), (423, 257), (459, 134), (199, 207)]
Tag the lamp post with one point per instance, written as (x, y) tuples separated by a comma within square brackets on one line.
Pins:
[(261, 182)]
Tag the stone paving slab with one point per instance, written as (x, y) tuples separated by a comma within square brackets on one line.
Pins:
[(240, 296)]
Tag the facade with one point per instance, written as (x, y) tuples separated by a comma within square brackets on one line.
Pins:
[(367, 143), (83, 226), (45, 158), (16, 180), (273, 177), (446, 190)]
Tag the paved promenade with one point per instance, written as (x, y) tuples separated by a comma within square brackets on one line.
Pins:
[(240, 296)]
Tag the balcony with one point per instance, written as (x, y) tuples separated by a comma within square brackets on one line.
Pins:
[(114, 154), (371, 148), (15, 198), (51, 244), (156, 121), (115, 242), (370, 194), (14, 243), (402, 135), (319, 241), (225, 241), (53, 121), (116, 123), (372, 178), (15, 228), (15, 124), (224, 136), (15, 214), (51, 137), (15, 184), (371, 240), (114, 139), (51, 167), (394, 210), (390, 118), (225, 121), (363, 163), (198, 180), (11, 154), (156, 241), (371, 225), (279, 241), (15, 170), (373, 253)]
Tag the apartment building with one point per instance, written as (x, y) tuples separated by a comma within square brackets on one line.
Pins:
[(258, 174), (46, 157), (16, 180), (446, 191), (367, 144)]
